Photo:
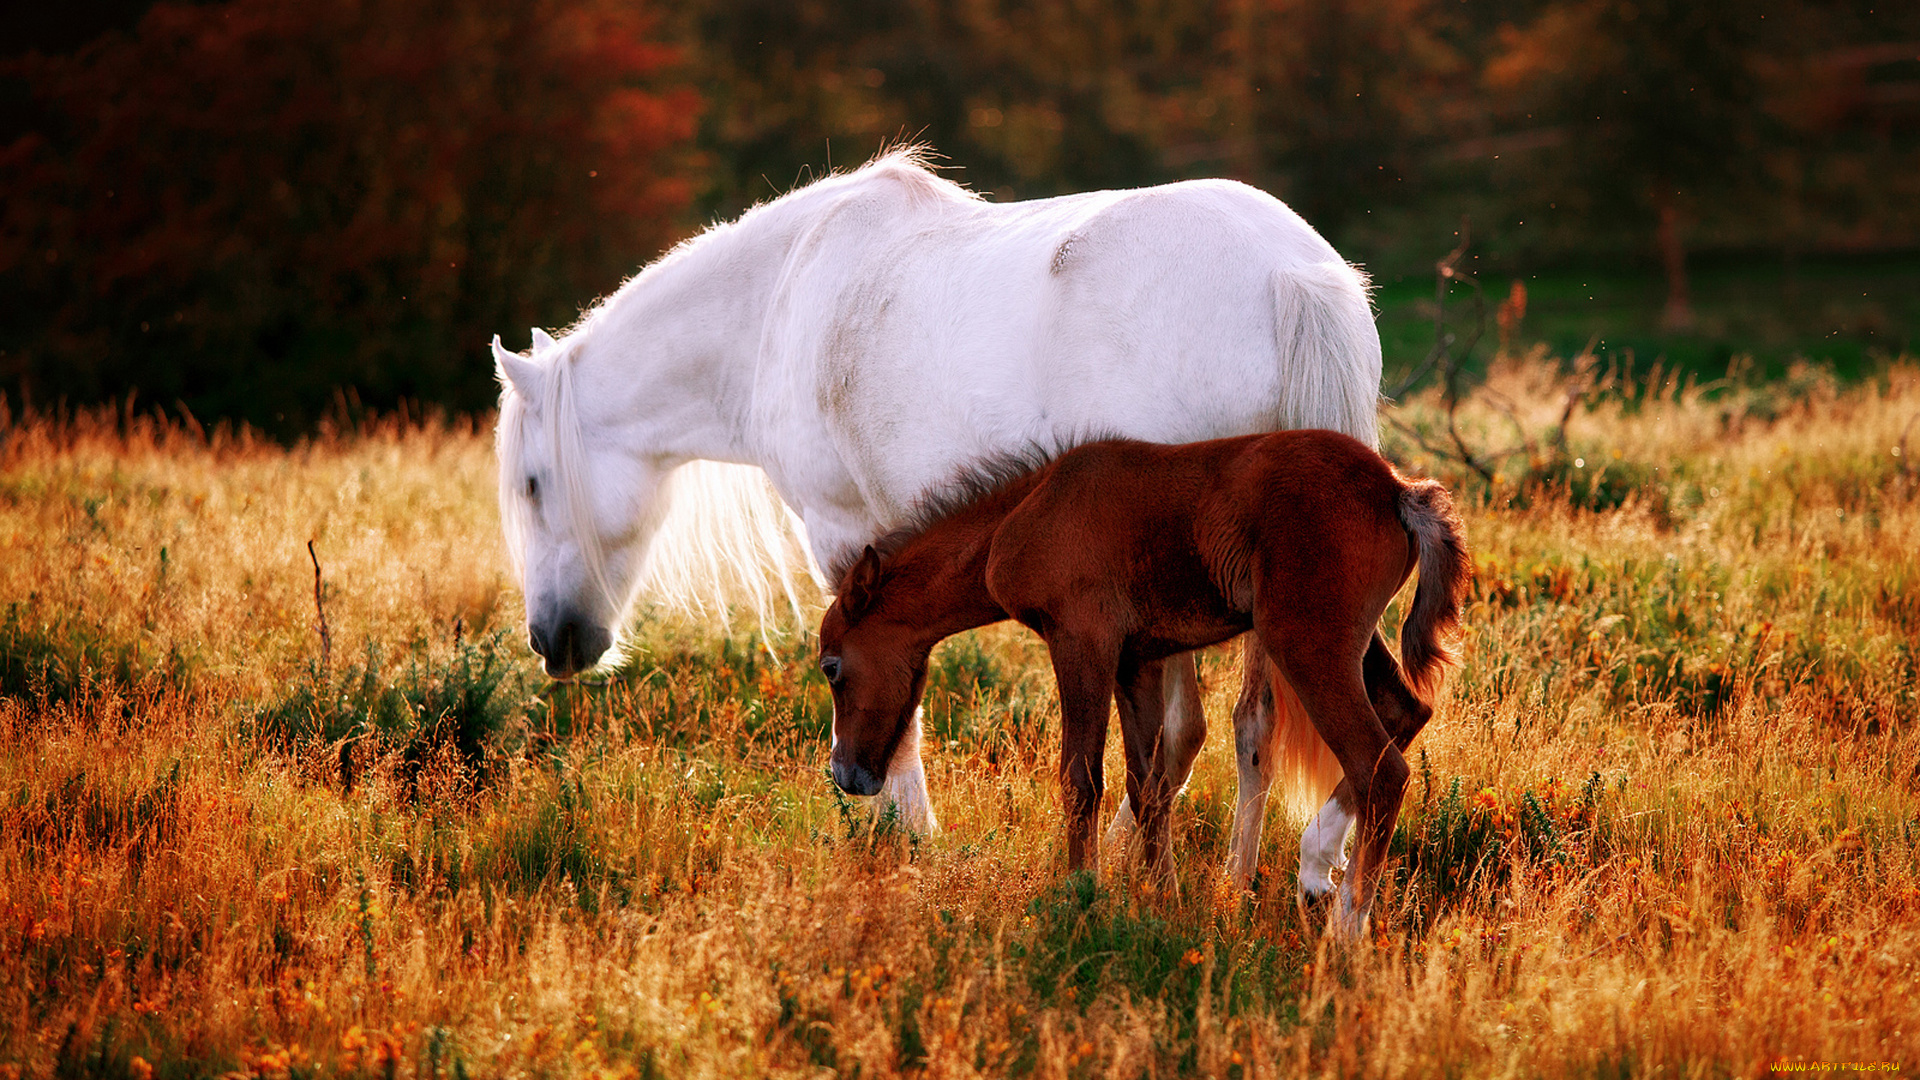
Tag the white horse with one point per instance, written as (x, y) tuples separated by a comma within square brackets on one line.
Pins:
[(866, 338)]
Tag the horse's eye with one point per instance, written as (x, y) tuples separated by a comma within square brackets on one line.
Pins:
[(533, 489), (830, 667)]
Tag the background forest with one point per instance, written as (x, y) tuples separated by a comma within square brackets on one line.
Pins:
[(265, 209)]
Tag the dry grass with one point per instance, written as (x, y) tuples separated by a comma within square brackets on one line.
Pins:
[(1665, 822)]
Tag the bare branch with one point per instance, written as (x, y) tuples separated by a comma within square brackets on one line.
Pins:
[(320, 608)]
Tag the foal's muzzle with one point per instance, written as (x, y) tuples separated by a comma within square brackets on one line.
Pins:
[(569, 646), (855, 779)]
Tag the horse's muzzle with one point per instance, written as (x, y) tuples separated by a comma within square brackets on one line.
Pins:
[(569, 647), (855, 779)]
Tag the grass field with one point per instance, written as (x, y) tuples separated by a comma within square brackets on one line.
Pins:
[(1851, 314), (1665, 822)]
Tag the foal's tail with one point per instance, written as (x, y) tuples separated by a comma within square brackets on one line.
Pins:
[(1427, 512)]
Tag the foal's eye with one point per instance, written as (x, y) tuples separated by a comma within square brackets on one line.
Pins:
[(830, 667), (533, 489)]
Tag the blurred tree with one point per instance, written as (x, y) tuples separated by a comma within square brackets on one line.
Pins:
[(1328, 102), (1335, 104), (1847, 95), (246, 205), (1032, 98), (1655, 105)]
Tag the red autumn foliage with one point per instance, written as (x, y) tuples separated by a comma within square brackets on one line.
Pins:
[(247, 204)]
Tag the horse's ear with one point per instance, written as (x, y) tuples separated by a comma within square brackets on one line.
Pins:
[(516, 371), (863, 586), (542, 341)]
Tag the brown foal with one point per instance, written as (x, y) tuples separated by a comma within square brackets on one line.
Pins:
[(1121, 554)]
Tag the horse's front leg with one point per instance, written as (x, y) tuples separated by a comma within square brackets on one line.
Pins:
[(1183, 731), (905, 788), (1084, 674)]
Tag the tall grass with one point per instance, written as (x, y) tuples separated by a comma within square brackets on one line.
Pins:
[(1665, 821)]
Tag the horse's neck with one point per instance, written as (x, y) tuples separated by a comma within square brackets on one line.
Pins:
[(671, 356)]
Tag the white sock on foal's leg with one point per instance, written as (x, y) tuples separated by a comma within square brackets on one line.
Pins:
[(1323, 848), (906, 784)]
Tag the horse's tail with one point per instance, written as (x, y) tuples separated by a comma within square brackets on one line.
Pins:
[(727, 541), (1328, 349), (1329, 367), (1427, 512)]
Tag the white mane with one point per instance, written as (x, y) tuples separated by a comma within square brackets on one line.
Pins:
[(726, 539), (910, 166)]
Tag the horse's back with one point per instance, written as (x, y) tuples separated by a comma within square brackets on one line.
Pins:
[(942, 331)]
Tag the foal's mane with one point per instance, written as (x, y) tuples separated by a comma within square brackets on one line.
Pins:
[(967, 488)]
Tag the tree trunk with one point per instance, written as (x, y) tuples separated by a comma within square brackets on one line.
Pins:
[(1678, 314)]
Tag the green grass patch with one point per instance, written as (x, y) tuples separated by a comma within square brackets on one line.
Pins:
[(416, 707), (58, 660), (1850, 314)]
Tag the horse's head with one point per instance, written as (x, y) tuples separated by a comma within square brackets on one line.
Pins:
[(577, 511), (878, 669)]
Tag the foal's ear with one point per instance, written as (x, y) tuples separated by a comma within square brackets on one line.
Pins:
[(542, 341), (863, 586)]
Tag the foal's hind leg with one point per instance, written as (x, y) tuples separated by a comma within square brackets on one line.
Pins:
[(1323, 844), (1271, 728), (1326, 672), (1183, 731)]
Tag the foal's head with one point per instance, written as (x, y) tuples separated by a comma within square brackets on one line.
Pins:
[(877, 667)]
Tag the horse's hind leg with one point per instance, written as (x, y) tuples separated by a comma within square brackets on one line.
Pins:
[(1183, 731), (1323, 844), (1256, 747)]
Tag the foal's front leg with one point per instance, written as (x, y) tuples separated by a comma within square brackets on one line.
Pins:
[(1150, 762), (1084, 674), (1183, 731)]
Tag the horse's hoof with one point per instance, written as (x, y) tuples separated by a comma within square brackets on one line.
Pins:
[(1259, 883), (1329, 912)]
